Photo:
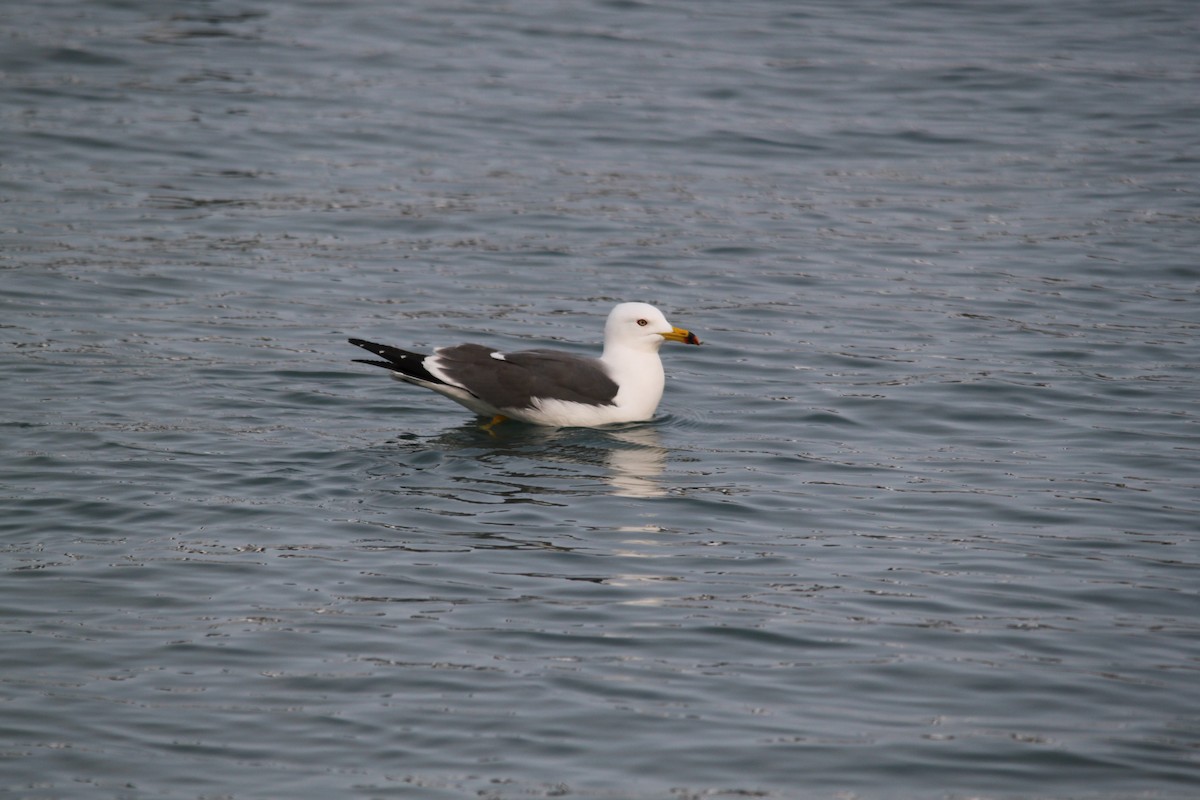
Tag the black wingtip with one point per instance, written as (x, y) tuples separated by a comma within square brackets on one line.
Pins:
[(383, 350), (384, 364), (397, 360)]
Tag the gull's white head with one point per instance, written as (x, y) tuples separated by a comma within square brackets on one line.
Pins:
[(641, 326)]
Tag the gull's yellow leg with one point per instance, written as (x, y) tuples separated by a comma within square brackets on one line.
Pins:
[(496, 420)]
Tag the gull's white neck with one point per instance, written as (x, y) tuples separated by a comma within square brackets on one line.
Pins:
[(639, 373)]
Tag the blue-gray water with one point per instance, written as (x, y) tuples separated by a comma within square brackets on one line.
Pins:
[(919, 520)]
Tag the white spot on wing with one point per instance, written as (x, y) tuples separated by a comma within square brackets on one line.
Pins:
[(498, 356)]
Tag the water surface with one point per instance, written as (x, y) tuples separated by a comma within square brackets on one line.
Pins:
[(918, 520)]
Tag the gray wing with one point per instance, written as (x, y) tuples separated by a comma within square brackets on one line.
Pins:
[(515, 380)]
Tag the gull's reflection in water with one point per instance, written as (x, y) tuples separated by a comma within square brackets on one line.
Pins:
[(636, 462), (630, 458)]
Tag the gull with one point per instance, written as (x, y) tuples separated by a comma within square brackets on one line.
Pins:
[(549, 387)]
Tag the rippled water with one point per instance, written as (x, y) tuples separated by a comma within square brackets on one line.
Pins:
[(919, 519)]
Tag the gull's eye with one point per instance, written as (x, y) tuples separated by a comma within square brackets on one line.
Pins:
[(642, 323)]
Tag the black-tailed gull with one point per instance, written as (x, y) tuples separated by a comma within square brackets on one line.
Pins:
[(549, 387)]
